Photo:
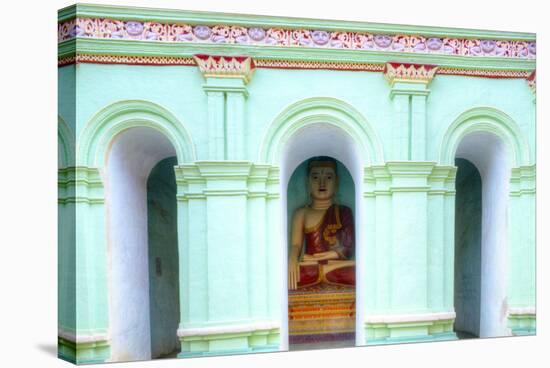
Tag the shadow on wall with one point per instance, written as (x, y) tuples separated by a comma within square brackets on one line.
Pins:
[(163, 259), (467, 280)]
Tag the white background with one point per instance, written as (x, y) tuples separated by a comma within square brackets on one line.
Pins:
[(28, 126)]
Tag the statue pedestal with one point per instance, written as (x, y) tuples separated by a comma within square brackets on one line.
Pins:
[(321, 312)]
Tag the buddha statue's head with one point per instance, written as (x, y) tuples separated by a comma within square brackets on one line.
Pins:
[(322, 178)]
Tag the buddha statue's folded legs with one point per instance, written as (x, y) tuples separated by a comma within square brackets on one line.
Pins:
[(332, 272)]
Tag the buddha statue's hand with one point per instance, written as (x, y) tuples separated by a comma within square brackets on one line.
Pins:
[(293, 274), (310, 258), (324, 256)]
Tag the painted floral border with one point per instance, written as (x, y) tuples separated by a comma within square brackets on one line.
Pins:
[(104, 28)]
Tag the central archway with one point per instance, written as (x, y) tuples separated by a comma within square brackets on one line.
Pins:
[(321, 127)]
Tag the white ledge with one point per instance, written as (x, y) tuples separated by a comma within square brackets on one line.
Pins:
[(82, 339), (522, 311), (227, 329), (408, 318)]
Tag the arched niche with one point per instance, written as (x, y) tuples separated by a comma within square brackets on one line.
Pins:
[(488, 120), (321, 126), (119, 116), (324, 329), (136, 259), (489, 140), (126, 141)]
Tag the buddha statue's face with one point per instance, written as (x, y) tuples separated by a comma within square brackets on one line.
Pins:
[(322, 182)]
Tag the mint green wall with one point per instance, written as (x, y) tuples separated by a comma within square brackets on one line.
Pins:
[(452, 95), (230, 275), (177, 89), (66, 94), (66, 267), (272, 90), (163, 245), (66, 212)]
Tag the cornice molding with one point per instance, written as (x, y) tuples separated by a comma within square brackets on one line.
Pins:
[(143, 36), (104, 28), (247, 20), (189, 28), (111, 51)]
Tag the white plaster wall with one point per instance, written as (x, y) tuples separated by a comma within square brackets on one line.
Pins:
[(324, 140), (488, 153), (130, 159)]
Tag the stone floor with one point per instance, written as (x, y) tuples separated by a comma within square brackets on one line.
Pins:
[(172, 355), (463, 335)]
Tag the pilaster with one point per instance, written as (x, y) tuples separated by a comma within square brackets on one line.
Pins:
[(274, 233), (522, 261), (226, 80), (82, 267), (409, 273), (258, 264), (441, 210), (226, 217), (409, 92), (193, 256), (227, 257)]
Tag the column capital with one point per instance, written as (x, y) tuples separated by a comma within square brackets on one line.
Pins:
[(523, 180), (408, 78), (80, 184), (226, 67), (409, 176)]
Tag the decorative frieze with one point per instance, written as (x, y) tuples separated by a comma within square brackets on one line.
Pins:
[(103, 28), (217, 66)]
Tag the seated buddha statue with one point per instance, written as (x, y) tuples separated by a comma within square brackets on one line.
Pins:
[(326, 229)]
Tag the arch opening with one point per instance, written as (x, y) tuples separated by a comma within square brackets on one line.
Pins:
[(142, 245), (328, 140), (481, 229)]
